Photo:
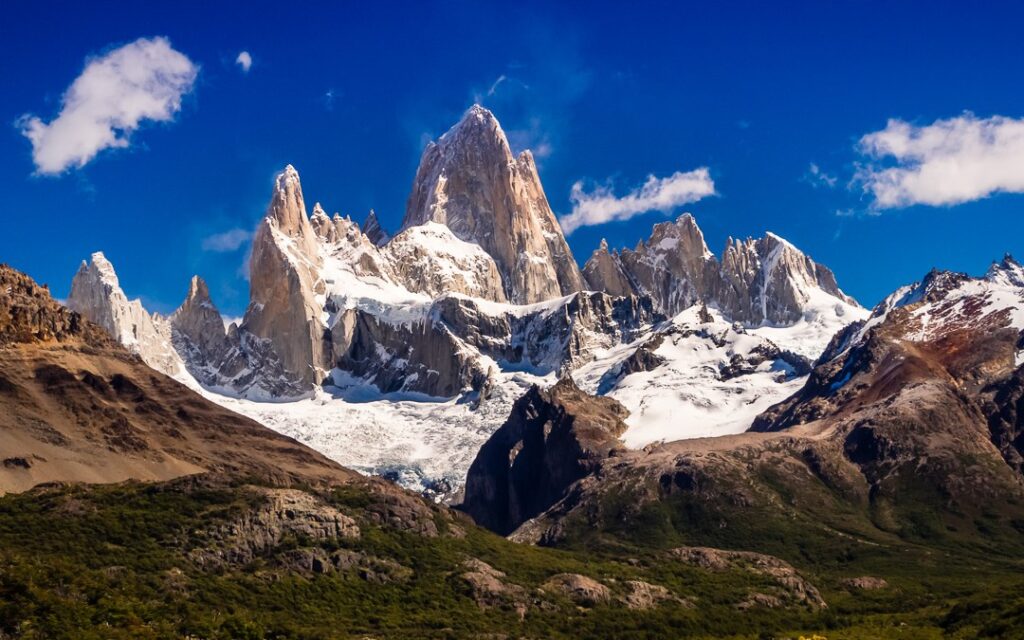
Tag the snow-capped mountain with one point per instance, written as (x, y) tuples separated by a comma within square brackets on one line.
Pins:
[(401, 355), (469, 181), (767, 280)]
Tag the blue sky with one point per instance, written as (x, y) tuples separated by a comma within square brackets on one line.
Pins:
[(605, 93)]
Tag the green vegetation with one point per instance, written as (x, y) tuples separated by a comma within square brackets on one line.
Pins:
[(111, 562)]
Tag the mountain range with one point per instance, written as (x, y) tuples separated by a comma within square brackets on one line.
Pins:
[(439, 328), (693, 435)]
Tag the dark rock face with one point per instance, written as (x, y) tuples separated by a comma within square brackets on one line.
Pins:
[(226, 358), (644, 358), (373, 230), (422, 356), (1004, 407), (551, 439), (431, 356)]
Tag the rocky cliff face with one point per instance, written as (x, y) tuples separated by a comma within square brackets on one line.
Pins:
[(285, 288), (228, 360), (96, 294), (604, 272), (552, 438), (470, 181), (770, 280), (757, 281)]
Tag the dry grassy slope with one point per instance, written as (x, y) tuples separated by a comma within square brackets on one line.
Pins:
[(76, 407)]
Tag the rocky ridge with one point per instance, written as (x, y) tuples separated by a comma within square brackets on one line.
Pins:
[(767, 280)]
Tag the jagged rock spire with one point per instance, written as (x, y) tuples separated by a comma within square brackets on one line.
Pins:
[(764, 280), (284, 281), (373, 230), (470, 181)]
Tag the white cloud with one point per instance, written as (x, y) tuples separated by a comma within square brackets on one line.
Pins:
[(818, 178), (656, 194), (244, 60), (143, 80), (945, 163), (227, 241)]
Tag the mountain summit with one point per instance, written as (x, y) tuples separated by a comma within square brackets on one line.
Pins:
[(470, 181)]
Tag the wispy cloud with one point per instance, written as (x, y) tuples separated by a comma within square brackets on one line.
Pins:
[(816, 177), (227, 241), (497, 83), (656, 194), (244, 60), (113, 96), (945, 163)]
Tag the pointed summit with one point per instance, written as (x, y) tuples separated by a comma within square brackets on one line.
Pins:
[(104, 270), (287, 212), (373, 230), (284, 281), (604, 272), (199, 321), (477, 116), (469, 181), (322, 224), (198, 292), (97, 295)]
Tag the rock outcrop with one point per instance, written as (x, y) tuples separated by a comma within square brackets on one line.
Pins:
[(280, 513), (789, 583), (582, 590), (470, 181), (28, 315), (553, 438)]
